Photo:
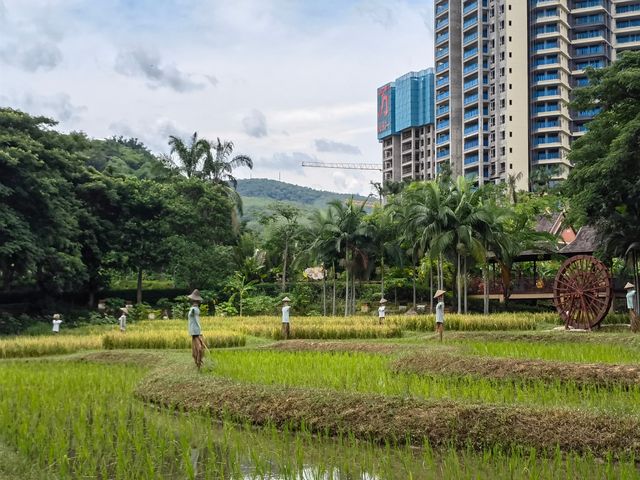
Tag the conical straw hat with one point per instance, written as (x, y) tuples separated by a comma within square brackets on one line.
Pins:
[(439, 292), (629, 285), (195, 296)]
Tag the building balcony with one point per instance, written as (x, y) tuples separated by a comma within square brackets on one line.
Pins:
[(588, 6), (441, 67), (469, 23), (443, 37), (469, 8), (546, 78), (442, 24), (624, 11), (469, 38), (544, 126), (547, 142)]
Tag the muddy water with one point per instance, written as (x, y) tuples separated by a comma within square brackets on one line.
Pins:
[(229, 451)]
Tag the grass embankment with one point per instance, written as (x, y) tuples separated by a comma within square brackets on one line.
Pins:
[(383, 418)]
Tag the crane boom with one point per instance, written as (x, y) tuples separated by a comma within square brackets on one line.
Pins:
[(347, 166)]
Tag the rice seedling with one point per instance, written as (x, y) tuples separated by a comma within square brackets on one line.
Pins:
[(169, 340), (80, 421), (367, 373), (588, 352)]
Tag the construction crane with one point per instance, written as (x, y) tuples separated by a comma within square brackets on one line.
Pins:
[(346, 166)]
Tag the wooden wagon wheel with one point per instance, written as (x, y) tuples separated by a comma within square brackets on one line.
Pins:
[(583, 291)]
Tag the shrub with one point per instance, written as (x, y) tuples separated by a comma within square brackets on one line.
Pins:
[(259, 305)]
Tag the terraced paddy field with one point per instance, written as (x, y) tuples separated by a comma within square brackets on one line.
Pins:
[(335, 404)]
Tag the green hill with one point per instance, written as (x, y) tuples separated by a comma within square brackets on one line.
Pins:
[(273, 190), (258, 193)]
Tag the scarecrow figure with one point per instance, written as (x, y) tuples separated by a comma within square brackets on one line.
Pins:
[(631, 306), (197, 342), (56, 323), (285, 318), (381, 311), (439, 296), (123, 319)]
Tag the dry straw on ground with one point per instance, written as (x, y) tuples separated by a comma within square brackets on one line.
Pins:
[(508, 368)]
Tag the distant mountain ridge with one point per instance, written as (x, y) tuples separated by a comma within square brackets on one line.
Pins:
[(287, 192)]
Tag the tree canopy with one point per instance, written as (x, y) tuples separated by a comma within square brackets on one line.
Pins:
[(604, 184)]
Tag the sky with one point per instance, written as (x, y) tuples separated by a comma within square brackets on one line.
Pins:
[(284, 80)]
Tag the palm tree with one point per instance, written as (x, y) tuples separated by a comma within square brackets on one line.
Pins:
[(349, 234), (424, 215), (284, 217), (218, 166), (189, 157), (512, 186), (382, 229), (317, 236), (459, 232), (492, 235)]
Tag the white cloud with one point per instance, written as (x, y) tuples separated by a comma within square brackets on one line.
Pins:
[(379, 12), (255, 124), (155, 134), (31, 57), (139, 62), (284, 161), (58, 106), (324, 145)]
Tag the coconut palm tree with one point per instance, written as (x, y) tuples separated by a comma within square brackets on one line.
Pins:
[(284, 220), (459, 231), (425, 215), (349, 235), (189, 156), (318, 238), (218, 167), (492, 234), (383, 231)]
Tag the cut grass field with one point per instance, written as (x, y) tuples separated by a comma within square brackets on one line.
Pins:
[(482, 404)]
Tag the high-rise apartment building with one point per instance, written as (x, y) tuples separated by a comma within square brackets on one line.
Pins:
[(566, 37), (481, 78), (503, 79), (405, 127)]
